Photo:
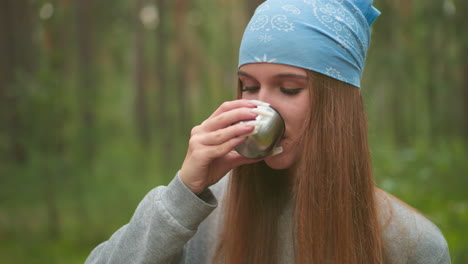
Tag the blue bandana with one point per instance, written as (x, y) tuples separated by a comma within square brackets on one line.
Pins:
[(326, 36)]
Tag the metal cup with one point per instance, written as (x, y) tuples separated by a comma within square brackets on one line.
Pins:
[(269, 131)]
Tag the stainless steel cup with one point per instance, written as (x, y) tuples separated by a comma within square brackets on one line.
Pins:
[(269, 131)]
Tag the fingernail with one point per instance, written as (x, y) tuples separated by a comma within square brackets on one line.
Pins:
[(261, 112), (259, 103), (252, 123)]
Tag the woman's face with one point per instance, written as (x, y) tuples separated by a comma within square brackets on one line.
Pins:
[(285, 88)]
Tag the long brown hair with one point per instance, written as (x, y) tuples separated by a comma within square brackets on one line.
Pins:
[(332, 190)]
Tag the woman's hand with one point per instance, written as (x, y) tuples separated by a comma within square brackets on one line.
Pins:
[(210, 153)]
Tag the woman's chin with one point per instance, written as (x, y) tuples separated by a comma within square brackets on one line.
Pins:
[(279, 162)]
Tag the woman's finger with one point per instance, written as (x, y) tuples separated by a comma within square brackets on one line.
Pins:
[(218, 151), (228, 118), (230, 105), (220, 136)]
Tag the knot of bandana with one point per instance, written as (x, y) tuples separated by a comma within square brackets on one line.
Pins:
[(326, 36)]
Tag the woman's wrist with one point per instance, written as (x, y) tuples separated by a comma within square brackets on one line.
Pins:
[(194, 187)]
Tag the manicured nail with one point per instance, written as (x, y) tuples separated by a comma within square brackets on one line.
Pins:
[(253, 123), (259, 103), (261, 112)]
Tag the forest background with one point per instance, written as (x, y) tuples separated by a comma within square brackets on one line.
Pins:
[(97, 99)]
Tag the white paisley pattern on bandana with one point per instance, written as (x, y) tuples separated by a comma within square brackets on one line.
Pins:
[(277, 22), (292, 9), (339, 21), (334, 73)]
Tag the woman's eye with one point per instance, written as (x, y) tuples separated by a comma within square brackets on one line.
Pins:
[(250, 89), (289, 91)]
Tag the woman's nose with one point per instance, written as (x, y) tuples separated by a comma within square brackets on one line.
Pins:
[(264, 95)]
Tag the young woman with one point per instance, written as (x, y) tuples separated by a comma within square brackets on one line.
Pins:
[(316, 201)]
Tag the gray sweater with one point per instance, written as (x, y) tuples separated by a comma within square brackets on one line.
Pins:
[(173, 225)]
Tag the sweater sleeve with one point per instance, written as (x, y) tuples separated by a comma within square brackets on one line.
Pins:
[(431, 246), (444, 257), (163, 222)]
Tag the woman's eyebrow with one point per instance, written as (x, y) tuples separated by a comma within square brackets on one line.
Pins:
[(289, 75), (241, 73)]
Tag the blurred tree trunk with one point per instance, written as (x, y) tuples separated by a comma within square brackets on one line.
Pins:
[(398, 41), (464, 87), (46, 139), (161, 62), (86, 98), (181, 62), (462, 21), (86, 83), (406, 8), (252, 5), (139, 68), (163, 123), (17, 61)]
